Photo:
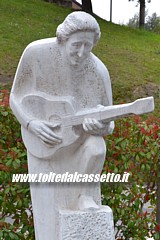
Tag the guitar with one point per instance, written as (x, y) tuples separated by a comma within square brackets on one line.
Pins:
[(62, 110)]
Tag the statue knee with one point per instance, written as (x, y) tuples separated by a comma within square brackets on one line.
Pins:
[(95, 147)]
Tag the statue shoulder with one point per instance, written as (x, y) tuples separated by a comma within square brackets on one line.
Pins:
[(34, 53), (40, 45)]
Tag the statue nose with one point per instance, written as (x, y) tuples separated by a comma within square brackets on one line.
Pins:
[(81, 51)]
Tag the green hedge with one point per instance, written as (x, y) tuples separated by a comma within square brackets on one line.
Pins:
[(15, 200), (134, 148)]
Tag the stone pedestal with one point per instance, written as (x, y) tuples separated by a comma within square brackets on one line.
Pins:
[(90, 225)]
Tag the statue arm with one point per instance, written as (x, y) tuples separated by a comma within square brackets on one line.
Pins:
[(22, 117), (108, 127), (22, 85), (92, 126)]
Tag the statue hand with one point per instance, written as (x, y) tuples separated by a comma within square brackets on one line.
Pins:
[(45, 131), (109, 127), (93, 126)]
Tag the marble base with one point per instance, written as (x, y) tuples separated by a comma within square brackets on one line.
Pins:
[(86, 225)]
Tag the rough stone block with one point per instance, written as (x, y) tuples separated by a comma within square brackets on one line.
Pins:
[(90, 225)]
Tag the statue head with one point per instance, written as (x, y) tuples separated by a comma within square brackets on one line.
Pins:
[(78, 34), (78, 22)]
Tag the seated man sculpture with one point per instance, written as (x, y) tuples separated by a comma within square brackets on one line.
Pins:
[(59, 77)]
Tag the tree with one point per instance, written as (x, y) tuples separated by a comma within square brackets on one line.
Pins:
[(153, 23), (134, 22), (87, 6), (142, 12)]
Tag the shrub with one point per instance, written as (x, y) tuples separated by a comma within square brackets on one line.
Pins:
[(133, 148), (15, 211)]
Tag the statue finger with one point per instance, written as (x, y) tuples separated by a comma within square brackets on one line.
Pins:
[(52, 137), (50, 143), (98, 124), (95, 124), (85, 127), (90, 124), (50, 133), (48, 139)]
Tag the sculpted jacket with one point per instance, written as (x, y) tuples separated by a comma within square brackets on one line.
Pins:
[(44, 70)]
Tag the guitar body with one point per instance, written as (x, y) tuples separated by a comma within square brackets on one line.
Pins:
[(51, 110)]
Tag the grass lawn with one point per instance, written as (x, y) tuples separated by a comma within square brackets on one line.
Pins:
[(131, 56)]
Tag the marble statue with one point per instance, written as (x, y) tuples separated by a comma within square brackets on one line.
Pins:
[(57, 84)]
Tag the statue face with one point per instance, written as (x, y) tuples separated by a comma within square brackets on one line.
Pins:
[(79, 46)]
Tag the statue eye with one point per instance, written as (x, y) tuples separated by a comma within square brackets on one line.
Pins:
[(76, 44)]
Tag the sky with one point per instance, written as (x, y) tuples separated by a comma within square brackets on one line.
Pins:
[(122, 10)]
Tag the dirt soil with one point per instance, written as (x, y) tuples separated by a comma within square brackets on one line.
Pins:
[(149, 89), (4, 79)]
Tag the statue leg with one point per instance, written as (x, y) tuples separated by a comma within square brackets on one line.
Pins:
[(92, 160), (94, 153), (43, 201)]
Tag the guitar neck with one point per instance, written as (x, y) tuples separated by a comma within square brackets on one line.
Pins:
[(110, 113)]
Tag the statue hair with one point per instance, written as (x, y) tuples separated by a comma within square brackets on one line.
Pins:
[(75, 22)]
